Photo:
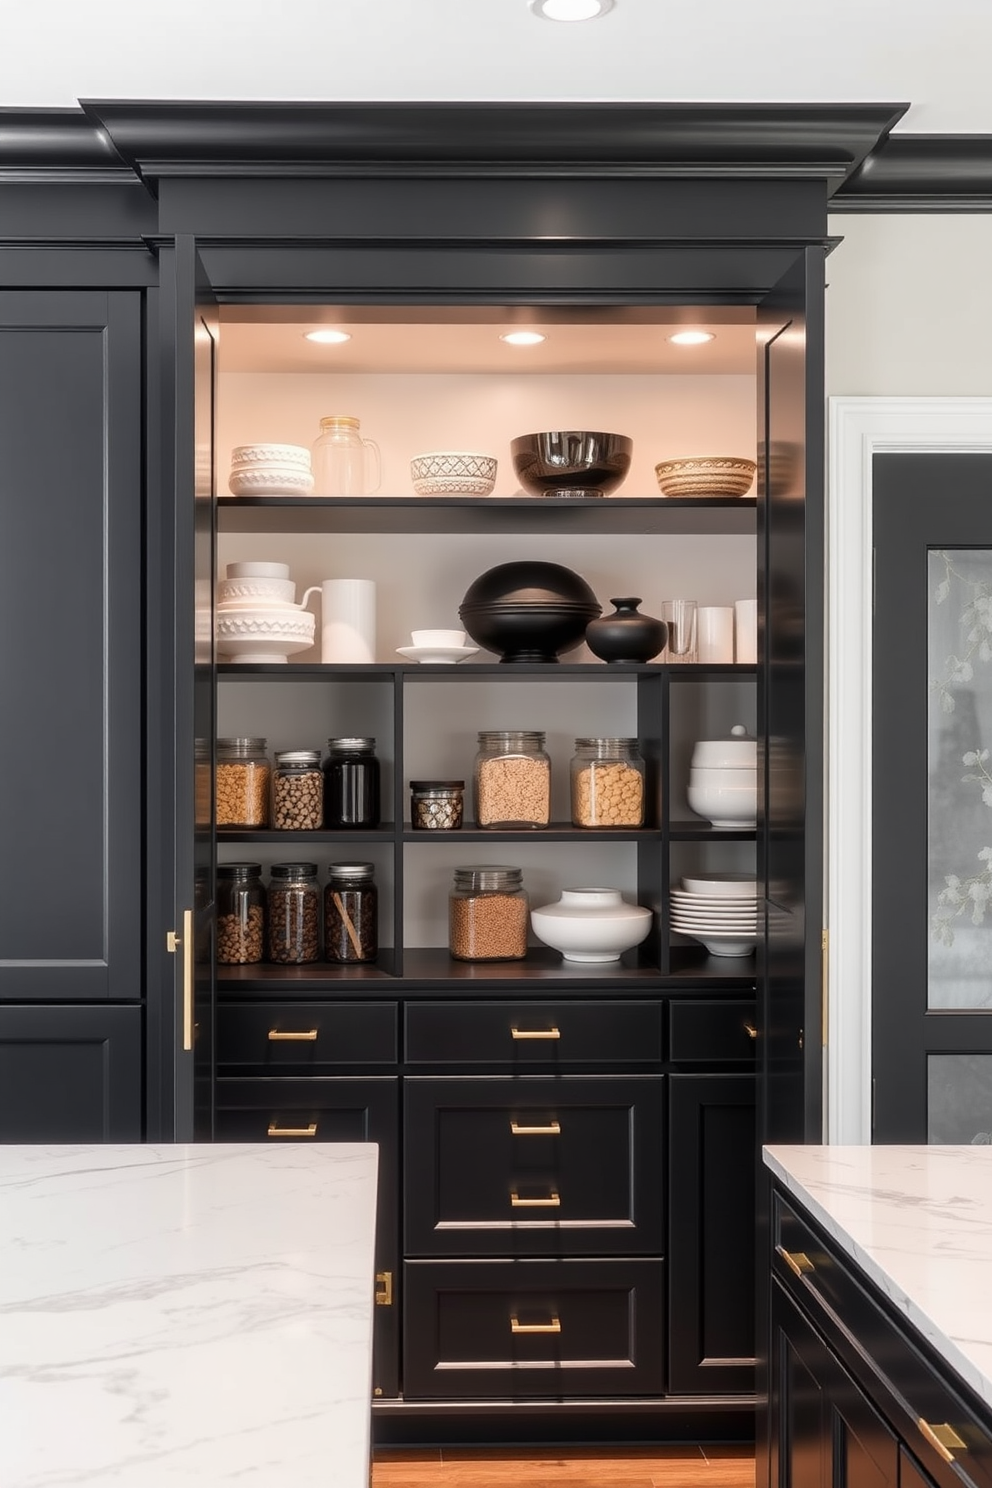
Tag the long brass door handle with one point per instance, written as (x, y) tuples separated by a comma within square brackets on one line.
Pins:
[(535, 1033), (553, 1201), (516, 1326), (292, 1131), (303, 1036), (184, 942), (553, 1129)]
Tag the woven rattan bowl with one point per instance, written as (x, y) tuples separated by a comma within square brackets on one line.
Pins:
[(705, 475)]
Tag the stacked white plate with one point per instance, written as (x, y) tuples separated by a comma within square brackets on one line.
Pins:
[(720, 910)]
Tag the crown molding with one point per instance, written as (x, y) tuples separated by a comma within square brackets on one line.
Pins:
[(922, 173), (57, 145)]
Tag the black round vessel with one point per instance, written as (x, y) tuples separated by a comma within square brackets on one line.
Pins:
[(528, 611), (626, 636), (570, 463)]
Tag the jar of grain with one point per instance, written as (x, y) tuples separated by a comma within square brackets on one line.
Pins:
[(243, 783), (512, 780), (240, 914), (351, 783), (436, 805), (298, 791), (607, 783), (294, 914), (351, 913), (487, 914)]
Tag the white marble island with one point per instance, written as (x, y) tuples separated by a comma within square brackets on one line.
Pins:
[(195, 1315)]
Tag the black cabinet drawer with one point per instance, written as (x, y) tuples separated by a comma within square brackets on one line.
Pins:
[(484, 1329), (306, 1035), (534, 1165), (518, 1034), (714, 1031)]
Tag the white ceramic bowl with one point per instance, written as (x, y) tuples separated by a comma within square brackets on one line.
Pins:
[(256, 592), (591, 925), (741, 778), (453, 473), (726, 885), (443, 639), (739, 752), (250, 455), (724, 805), (731, 944), (706, 475), (270, 480), (257, 570), (263, 635)]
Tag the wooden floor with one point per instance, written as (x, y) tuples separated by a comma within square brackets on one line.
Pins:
[(581, 1467)]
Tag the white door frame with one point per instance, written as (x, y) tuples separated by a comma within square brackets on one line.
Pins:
[(860, 428)]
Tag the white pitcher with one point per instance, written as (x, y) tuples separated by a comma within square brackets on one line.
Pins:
[(347, 619)]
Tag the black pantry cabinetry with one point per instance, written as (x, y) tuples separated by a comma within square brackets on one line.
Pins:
[(566, 1210)]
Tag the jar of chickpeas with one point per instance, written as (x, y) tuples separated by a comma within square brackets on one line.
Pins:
[(243, 777), (607, 783)]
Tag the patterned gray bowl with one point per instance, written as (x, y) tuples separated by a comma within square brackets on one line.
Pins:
[(453, 473)]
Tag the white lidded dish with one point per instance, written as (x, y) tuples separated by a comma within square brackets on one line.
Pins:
[(591, 925), (739, 752)]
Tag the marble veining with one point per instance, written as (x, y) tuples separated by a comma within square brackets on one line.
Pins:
[(186, 1315), (918, 1221)]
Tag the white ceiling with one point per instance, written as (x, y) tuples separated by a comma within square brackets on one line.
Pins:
[(934, 56)]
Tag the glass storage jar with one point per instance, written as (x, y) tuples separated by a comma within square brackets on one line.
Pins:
[(607, 783), (243, 782), (351, 913), (436, 805), (298, 791), (344, 464), (351, 784), (294, 914), (240, 914), (512, 780), (487, 914)]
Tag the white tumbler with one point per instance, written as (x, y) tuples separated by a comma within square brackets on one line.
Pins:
[(347, 619), (715, 633), (745, 630)]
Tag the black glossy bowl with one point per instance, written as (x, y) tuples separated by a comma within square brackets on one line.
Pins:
[(570, 463), (528, 611)]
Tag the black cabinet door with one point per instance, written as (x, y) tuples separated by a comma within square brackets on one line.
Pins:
[(70, 1074), (825, 1433), (70, 646), (711, 1244)]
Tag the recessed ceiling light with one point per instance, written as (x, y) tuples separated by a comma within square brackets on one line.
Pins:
[(523, 338), (327, 338), (691, 338), (570, 10)]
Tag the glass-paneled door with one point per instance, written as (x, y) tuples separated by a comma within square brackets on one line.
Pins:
[(932, 799)]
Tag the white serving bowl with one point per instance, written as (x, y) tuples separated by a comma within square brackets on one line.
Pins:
[(442, 639), (726, 885), (256, 592), (730, 944), (257, 570), (739, 752), (263, 635), (724, 805), (270, 480), (453, 473), (591, 925), (250, 455), (716, 777)]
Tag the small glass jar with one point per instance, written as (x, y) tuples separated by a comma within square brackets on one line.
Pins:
[(243, 777), (344, 464), (436, 805), (298, 791), (351, 784), (487, 914), (512, 780), (351, 913), (240, 914), (294, 914), (607, 783)]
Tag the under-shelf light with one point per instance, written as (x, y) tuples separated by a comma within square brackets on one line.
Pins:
[(691, 338), (523, 338), (327, 338)]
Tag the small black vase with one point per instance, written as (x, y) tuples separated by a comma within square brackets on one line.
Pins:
[(626, 636)]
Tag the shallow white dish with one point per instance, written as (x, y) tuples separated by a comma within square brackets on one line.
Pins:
[(726, 885), (591, 925), (270, 480), (437, 654), (270, 454), (713, 901), (716, 927), (731, 944)]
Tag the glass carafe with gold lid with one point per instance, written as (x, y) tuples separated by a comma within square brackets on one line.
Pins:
[(345, 464)]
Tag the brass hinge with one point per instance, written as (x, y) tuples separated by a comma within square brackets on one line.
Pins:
[(384, 1289), (825, 985)]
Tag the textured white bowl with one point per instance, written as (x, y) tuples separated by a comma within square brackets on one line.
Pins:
[(263, 635), (248, 455), (257, 570), (706, 475), (453, 473), (725, 805), (591, 924), (256, 591), (270, 480)]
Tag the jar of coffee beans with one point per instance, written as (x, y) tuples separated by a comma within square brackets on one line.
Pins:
[(243, 776), (351, 913), (294, 914), (298, 791), (487, 914), (240, 914), (512, 780), (607, 783)]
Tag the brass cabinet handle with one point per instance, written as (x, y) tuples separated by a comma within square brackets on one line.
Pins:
[(535, 1033), (553, 1201), (942, 1438), (750, 1030), (553, 1129), (797, 1261), (292, 1131), (303, 1036), (174, 942), (516, 1326)]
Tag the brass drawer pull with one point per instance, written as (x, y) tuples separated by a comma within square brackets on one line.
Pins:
[(942, 1438), (292, 1131), (516, 1326), (303, 1036), (384, 1289), (750, 1030), (797, 1261), (553, 1201), (553, 1129), (535, 1033)]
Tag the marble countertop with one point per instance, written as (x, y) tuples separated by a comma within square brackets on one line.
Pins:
[(918, 1222), (196, 1315)]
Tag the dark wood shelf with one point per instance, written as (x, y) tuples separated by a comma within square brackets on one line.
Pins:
[(316, 976), (554, 832), (531, 514), (266, 835)]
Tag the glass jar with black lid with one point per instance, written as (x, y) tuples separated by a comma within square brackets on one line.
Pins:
[(294, 914), (241, 901), (351, 913), (351, 783)]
